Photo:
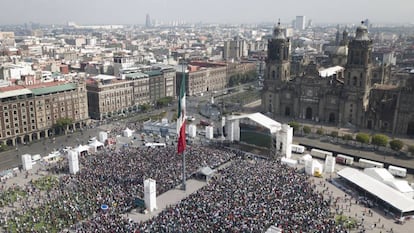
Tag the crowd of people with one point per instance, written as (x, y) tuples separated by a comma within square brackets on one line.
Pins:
[(111, 177), (249, 196)]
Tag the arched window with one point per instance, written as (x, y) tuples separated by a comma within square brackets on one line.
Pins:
[(274, 74)]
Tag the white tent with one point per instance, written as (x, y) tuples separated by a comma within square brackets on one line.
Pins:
[(313, 166), (53, 157), (192, 131), (380, 174), (383, 175), (103, 136), (81, 149), (304, 158), (289, 162), (127, 132), (95, 145), (27, 162)]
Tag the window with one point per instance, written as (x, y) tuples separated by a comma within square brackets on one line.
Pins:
[(274, 74), (354, 82)]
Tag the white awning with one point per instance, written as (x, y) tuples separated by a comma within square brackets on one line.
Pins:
[(378, 189)]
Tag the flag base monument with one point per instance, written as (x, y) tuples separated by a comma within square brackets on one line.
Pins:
[(150, 194)]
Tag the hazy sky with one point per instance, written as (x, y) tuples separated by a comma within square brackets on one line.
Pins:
[(217, 11)]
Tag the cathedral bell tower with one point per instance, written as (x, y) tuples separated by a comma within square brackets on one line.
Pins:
[(277, 70), (277, 63), (358, 75)]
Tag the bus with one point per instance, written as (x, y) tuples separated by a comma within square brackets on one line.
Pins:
[(365, 163), (320, 153), (343, 159), (397, 171), (298, 149)]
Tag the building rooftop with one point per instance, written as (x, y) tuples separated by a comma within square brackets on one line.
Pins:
[(16, 92), (153, 73), (53, 89), (328, 72), (136, 75)]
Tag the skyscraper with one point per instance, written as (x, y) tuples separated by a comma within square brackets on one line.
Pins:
[(148, 23), (300, 22)]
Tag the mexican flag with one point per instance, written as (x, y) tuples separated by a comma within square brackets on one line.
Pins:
[(181, 118)]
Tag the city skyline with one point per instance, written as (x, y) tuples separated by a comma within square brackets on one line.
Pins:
[(213, 11)]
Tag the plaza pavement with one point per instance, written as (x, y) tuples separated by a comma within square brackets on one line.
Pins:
[(169, 198)]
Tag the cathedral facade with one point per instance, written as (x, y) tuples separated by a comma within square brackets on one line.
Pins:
[(347, 97)]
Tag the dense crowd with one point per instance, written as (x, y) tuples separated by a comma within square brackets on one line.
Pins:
[(112, 177), (249, 196)]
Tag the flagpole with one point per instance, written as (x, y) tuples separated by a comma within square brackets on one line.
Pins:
[(184, 185), (183, 155)]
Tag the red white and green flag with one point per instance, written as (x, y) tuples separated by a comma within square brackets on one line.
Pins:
[(181, 118)]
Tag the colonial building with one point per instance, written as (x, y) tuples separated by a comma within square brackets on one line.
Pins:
[(202, 77), (31, 112), (352, 96), (109, 95)]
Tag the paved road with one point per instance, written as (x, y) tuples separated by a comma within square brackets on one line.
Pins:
[(11, 158)]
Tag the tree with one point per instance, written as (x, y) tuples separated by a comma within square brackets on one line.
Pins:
[(295, 125), (396, 144), (362, 138), (334, 134), (164, 101), (3, 147), (320, 131), (306, 129), (379, 140), (347, 137), (144, 107), (62, 124), (411, 149)]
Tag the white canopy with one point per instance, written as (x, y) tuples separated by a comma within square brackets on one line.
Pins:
[(128, 132), (96, 144), (81, 148), (378, 189), (304, 158)]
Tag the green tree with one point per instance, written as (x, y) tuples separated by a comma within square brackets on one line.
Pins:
[(295, 125), (411, 149), (334, 134), (3, 147), (347, 137), (306, 129), (144, 107), (164, 101), (396, 144), (320, 131), (62, 123), (379, 140), (362, 138)]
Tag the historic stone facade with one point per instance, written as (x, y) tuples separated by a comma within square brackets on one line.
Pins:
[(349, 97)]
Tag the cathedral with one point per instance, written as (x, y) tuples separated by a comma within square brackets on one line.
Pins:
[(350, 96)]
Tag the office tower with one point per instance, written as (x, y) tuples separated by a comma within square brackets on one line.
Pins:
[(300, 22), (148, 21)]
